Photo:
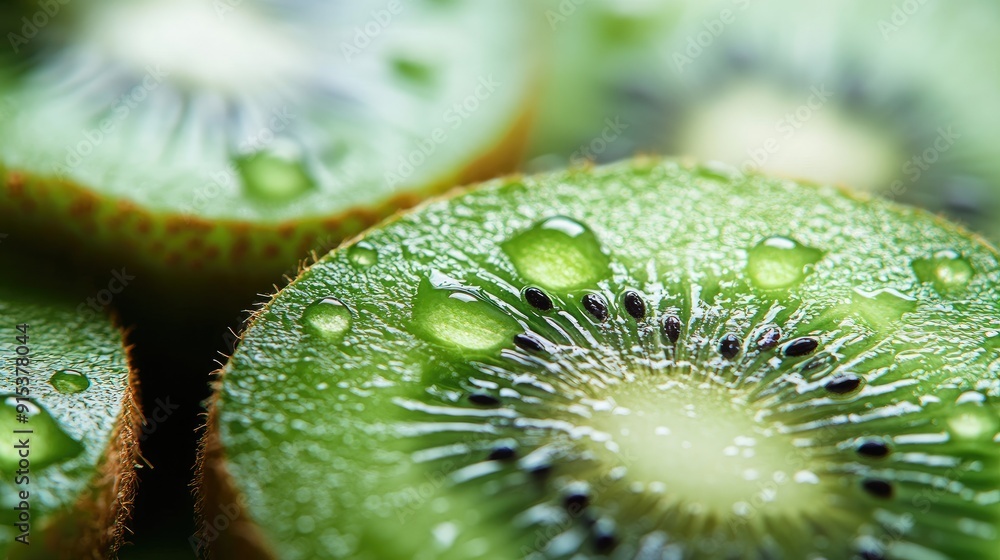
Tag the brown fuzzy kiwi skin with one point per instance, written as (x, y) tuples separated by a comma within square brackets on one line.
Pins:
[(96, 527), (190, 260)]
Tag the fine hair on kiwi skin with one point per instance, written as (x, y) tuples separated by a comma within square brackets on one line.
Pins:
[(617, 404), (172, 217), (81, 502)]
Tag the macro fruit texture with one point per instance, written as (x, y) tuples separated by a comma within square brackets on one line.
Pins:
[(650, 359), (224, 140), (69, 423)]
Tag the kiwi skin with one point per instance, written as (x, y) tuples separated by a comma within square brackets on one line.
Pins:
[(97, 525), (193, 262), (216, 482)]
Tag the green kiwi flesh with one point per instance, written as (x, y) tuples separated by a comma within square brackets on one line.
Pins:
[(647, 360), (230, 138), (857, 93), (66, 372)]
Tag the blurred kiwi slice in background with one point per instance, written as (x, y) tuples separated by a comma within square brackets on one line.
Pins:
[(598, 52), (645, 360), (69, 418), (893, 98), (225, 139)]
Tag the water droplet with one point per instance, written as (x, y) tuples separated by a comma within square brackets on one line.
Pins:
[(457, 318), (971, 420), (780, 262), (558, 253), (947, 270), (327, 318), (276, 174), (363, 254), (881, 308), (49, 442), (69, 381)]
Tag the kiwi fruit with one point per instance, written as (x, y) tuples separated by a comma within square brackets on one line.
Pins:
[(594, 50), (858, 93), (653, 359), (222, 141), (69, 420)]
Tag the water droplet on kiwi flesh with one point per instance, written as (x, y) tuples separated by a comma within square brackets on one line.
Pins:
[(363, 254), (646, 422), (780, 262), (328, 318), (69, 381), (446, 314), (558, 253), (947, 270), (274, 175)]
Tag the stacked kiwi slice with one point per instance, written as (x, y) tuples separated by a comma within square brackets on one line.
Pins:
[(69, 420), (647, 360), (857, 93), (223, 140)]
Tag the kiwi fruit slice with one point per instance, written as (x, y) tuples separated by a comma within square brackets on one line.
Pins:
[(648, 360), (595, 50), (69, 420), (858, 93), (226, 139)]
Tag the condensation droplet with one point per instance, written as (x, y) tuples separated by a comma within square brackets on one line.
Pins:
[(69, 381), (559, 254), (946, 270), (328, 318), (780, 262)]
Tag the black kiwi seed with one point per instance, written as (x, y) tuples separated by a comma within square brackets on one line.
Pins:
[(672, 328), (877, 488), (538, 299), (801, 347), (634, 304), (843, 384), (528, 342), (502, 453), (874, 449), (596, 306), (576, 501), (729, 346), (483, 399), (604, 537), (769, 339)]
